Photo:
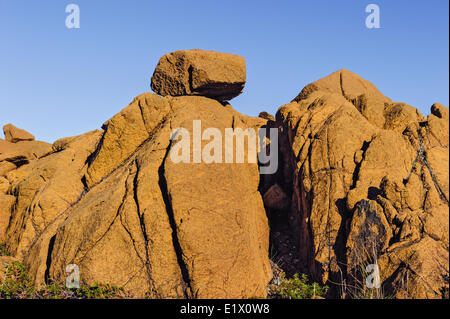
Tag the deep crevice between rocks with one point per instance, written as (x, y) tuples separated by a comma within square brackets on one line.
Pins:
[(98, 147), (187, 289), (144, 231), (340, 244), (18, 161), (364, 148), (287, 233), (49, 259)]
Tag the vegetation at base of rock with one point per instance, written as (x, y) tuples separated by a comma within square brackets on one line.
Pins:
[(18, 285), (297, 287), (361, 291), (356, 287), (3, 250)]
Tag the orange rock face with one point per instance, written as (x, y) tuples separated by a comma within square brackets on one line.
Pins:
[(368, 180), (220, 76), (12, 157), (131, 217), (361, 180), (171, 230), (14, 134)]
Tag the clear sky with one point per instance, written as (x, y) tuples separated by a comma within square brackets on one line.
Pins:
[(57, 82)]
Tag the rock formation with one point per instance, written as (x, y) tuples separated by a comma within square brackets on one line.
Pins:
[(14, 134), (18, 150), (113, 203), (368, 183), (361, 180)]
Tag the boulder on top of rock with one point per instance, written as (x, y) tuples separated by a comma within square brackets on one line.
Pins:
[(220, 76), (14, 134)]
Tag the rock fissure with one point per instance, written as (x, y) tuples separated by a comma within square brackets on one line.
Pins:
[(355, 176), (140, 214), (176, 244), (49, 259)]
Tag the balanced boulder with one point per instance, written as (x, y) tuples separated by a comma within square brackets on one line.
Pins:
[(14, 134), (219, 76)]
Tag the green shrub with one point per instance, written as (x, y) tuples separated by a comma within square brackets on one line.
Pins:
[(18, 285), (101, 291), (298, 287), (3, 250)]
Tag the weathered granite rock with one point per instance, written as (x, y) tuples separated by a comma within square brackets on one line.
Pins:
[(359, 166), (216, 75), (14, 134)]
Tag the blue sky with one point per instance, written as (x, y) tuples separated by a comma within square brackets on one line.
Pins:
[(57, 82)]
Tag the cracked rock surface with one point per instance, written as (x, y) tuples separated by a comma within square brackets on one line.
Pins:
[(368, 181), (361, 180), (114, 203)]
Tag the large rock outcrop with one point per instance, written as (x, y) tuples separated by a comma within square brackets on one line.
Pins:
[(45, 188), (367, 180), (114, 203), (361, 180), (171, 230), (17, 151)]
